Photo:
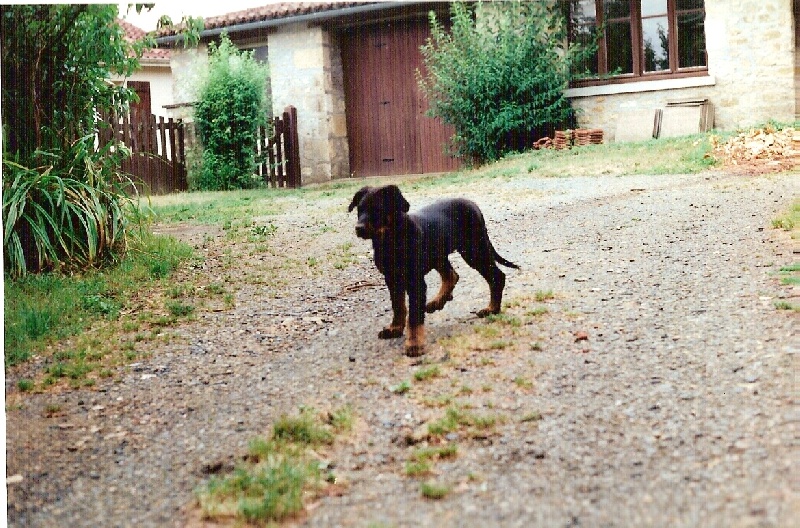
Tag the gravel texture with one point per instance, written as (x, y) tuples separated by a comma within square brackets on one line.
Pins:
[(658, 389)]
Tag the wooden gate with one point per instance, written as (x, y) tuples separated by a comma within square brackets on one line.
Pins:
[(279, 152), (387, 128), (158, 160)]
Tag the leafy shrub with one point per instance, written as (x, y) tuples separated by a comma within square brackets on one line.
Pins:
[(232, 105), (71, 213), (498, 75), (64, 198)]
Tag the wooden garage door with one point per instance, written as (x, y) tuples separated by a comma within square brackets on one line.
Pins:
[(387, 129)]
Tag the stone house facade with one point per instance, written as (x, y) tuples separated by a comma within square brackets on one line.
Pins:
[(748, 71)]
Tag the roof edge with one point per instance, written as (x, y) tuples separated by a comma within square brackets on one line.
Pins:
[(319, 16)]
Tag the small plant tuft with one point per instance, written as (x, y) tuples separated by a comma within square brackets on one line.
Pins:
[(434, 491), (427, 373)]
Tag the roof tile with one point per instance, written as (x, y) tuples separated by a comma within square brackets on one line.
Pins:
[(267, 12), (135, 33)]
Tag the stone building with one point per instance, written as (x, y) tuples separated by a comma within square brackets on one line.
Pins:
[(349, 70)]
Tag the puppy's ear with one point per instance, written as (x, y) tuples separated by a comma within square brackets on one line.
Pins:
[(397, 198), (358, 197)]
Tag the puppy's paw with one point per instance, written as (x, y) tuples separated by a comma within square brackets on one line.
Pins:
[(437, 303), (487, 312), (415, 350), (390, 333)]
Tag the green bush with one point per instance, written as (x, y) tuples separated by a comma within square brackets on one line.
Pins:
[(232, 104), (64, 198), (498, 75), (70, 214)]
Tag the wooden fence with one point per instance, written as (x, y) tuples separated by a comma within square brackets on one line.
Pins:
[(279, 152), (158, 150), (158, 158)]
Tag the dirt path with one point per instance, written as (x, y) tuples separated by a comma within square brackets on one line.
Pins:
[(657, 386)]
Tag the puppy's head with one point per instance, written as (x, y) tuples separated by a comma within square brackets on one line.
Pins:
[(379, 209)]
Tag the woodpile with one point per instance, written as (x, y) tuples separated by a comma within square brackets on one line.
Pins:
[(566, 139)]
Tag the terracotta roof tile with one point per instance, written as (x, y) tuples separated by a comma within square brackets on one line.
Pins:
[(135, 33), (268, 12)]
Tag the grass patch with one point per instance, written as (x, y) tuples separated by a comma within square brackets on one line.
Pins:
[(456, 419), (401, 388), (41, 310), (303, 429), (417, 468), (435, 453), (434, 491), (544, 295), (784, 305), (789, 221), (523, 383), (427, 373), (278, 473), (537, 311)]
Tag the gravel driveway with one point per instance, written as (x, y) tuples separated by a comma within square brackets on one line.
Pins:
[(657, 386)]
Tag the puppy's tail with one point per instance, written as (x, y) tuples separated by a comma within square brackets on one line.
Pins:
[(504, 262)]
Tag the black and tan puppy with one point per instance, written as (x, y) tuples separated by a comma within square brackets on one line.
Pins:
[(408, 246)]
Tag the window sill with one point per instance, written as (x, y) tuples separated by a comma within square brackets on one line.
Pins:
[(641, 86)]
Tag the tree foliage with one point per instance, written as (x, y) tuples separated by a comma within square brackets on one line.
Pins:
[(498, 75), (63, 195), (231, 106)]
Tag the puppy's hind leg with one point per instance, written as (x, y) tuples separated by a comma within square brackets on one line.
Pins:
[(497, 281), (395, 329), (449, 280), (493, 275)]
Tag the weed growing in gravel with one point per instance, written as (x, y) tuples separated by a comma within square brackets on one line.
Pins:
[(422, 459), (401, 388), (25, 385), (303, 429), (343, 256), (537, 311), (278, 473), (523, 383), (544, 295), (435, 453), (434, 491), (415, 468), (789, 221), (456, 418), (534, 416), (427, 373), (784, 305)]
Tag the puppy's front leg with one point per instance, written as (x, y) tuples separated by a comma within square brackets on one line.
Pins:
[(398, 296), (415, 342)]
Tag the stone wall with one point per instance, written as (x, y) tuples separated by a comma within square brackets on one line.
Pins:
[(305, 67), (189, 65), (751, 48)]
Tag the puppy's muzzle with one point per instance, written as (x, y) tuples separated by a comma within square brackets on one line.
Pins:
[(362, 231)]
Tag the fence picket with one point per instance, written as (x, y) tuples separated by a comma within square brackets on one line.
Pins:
[(281, 165)]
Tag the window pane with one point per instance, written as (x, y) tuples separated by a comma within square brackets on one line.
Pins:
[(681, 5), (691, 40), (583, 12), (584, 36), (655, 37), (616, 9), (620, 54), (654, 7), (583, 26)]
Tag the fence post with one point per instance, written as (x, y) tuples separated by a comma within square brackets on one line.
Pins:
[(293, 177)]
